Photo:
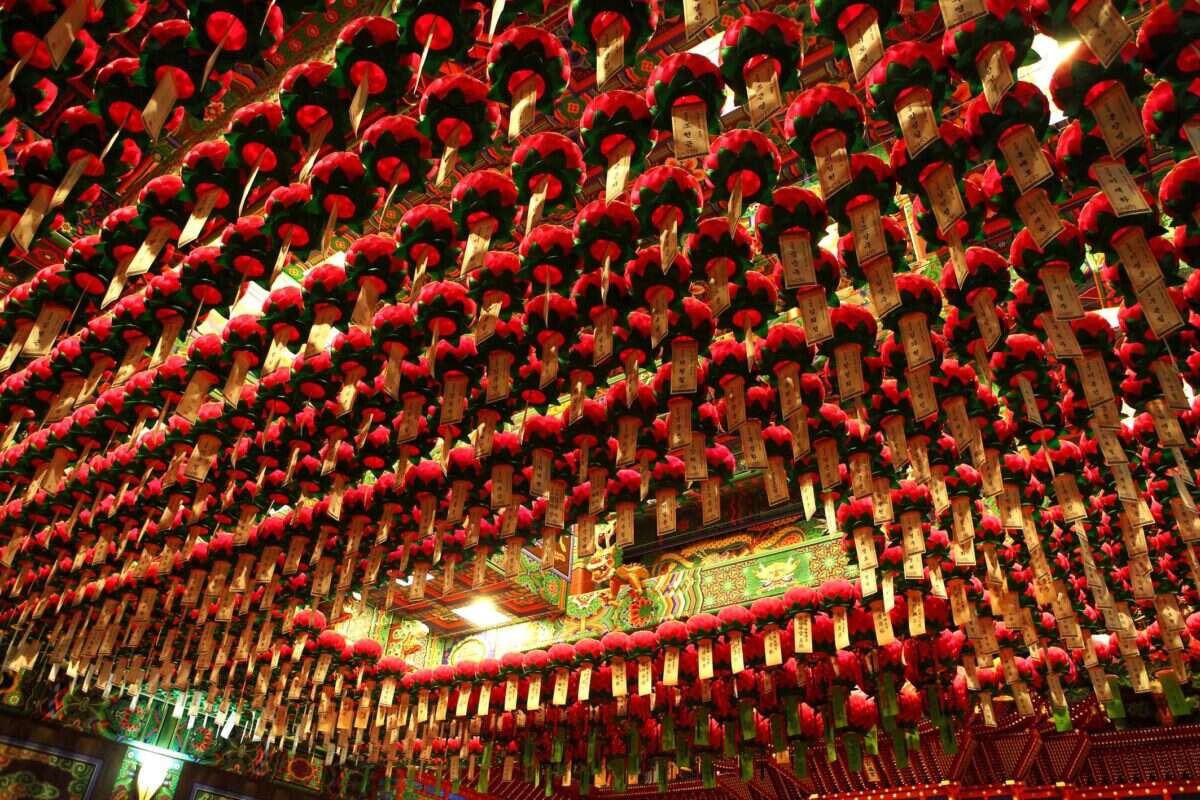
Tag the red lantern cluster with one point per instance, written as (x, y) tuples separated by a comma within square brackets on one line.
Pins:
[(205, 464)]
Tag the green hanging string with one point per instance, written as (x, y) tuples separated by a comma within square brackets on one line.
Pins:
[(935, 706), (660, 775), (746, 718), (800, 760), (708, 776), (585, 781), (853, 744), (746, 765), (702, 726), (791, 712), (838, 696), (889, 705), (560, 744), (831, 755), (591, 747), (729, 741), (778, 733), (914, 740), (900, 747), (668, 733), (1061, 717), (527, 754), (871, 742), (620, 776), (481, 780), (949, 740), (1173, 692), (683, 753), (1116, 706)]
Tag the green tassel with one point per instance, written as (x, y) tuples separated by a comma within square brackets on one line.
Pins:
[(527, 754), (560, 744), (746, 717), (729, 743), (1062, 718), (914, 740), (620, 777), (1173, 692), (549, 789), (778, 733), (935, 706), (746, 764), (668, 733), (853, 745), (635, 740), (1116, 706), (900, 748), (871, 742), (800, 761), (791, 712), (591, 747), (708, 775), (702, 726), (660, 775), (949, 741), (840, 719), (537, 777), (831, 755), (683, 752), (585, 781), (889, 705)]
